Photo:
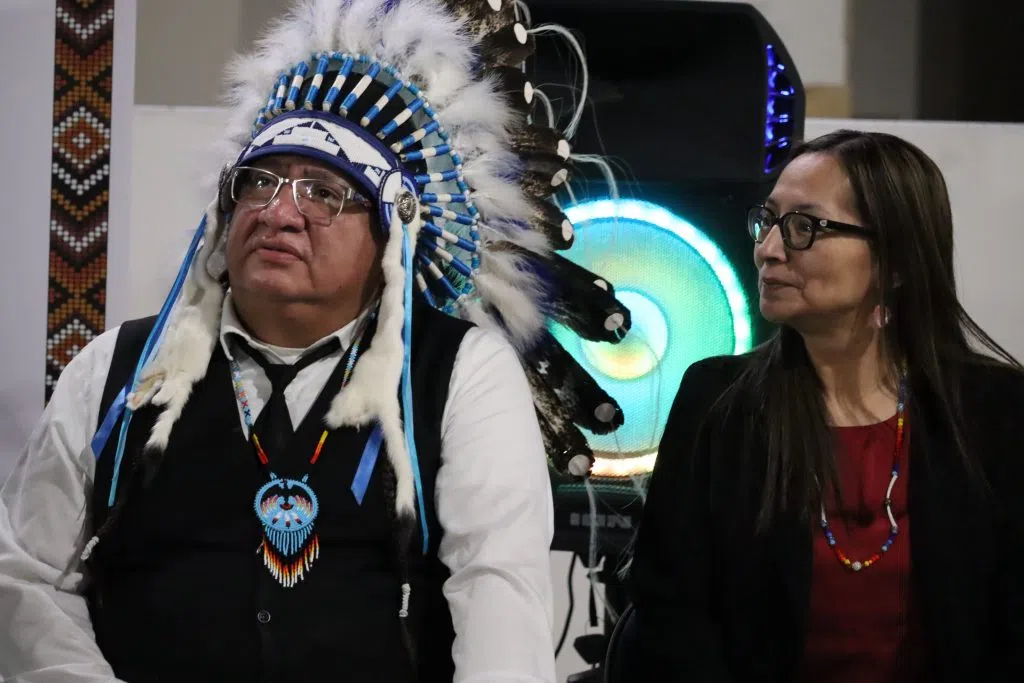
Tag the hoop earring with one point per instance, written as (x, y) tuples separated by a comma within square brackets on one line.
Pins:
[(881, 316)]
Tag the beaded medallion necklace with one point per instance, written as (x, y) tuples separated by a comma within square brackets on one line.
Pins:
[(894, 529), (287, 508)]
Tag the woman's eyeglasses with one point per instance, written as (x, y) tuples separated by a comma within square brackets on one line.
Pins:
[(798, 229)]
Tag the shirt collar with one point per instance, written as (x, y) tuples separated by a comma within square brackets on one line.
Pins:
[(231, 326)]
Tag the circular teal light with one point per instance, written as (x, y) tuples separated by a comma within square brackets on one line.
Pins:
[(685, 301), (642, 349)]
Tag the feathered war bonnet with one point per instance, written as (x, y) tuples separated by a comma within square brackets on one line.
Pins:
[(424, 106)]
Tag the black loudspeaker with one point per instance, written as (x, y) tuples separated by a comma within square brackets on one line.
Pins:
[(681, 91), (697, 105)]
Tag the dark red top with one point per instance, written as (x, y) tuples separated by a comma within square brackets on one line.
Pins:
[(862, 626)]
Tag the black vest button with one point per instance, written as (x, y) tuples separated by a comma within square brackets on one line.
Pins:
[(263, 616)]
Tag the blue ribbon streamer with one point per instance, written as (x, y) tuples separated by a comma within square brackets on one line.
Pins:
[(99, 440), (364, 471), (407, 414), (119, 406)]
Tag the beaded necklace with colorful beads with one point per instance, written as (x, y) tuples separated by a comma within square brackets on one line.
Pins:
[(287, 508), (894, 529)]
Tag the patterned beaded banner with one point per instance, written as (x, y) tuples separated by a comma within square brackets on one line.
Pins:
[(80, 182)]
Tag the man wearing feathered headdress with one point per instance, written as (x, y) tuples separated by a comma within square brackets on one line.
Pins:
[(328, 454)]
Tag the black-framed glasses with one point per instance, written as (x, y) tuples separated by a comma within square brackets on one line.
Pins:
[(798, 229), (317, 199)]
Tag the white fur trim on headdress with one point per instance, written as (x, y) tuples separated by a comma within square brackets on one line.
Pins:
[(189, 340), (372, 391)]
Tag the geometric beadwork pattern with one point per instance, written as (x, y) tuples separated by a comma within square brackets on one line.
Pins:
[(80, 182)]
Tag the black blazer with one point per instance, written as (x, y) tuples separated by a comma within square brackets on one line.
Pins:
[(717, 602)]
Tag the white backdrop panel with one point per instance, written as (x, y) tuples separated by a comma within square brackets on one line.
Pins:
[(26, 39)]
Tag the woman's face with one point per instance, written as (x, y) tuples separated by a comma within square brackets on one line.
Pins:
[(834, 280)]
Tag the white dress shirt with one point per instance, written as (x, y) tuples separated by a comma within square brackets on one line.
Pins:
[(492, 496)]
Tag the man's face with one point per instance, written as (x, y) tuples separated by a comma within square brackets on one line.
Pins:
[(285, 253)]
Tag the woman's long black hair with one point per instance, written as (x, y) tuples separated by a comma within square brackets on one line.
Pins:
[(900, 193)]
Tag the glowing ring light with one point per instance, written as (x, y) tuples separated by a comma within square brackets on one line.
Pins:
[(686, 304)]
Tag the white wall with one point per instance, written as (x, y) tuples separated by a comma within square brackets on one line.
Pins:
[(184, 44), (814, 32), (122, 121), (26, 39), (173, 183), (981, 162), (182, 48)]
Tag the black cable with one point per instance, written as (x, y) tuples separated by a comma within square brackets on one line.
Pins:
[(572, 606)]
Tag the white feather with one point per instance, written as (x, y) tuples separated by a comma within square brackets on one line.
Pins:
[(504, 283), (493, 191), (501, 231), (357, 26), (323, 18), (477, 107), (430, 45)]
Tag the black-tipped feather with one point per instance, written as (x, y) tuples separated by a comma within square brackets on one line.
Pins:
[(549, 220), (543, 175), (577, 298), (510, 46), (533, 139), (585, 302), (515, 86), (588, 405), (481, 17), (562, 439)]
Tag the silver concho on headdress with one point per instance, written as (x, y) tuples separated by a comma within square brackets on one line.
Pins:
[(406, 204)]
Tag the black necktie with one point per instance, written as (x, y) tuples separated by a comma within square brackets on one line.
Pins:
[(274, 424)]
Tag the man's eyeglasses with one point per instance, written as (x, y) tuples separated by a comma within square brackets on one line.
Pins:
[(798, 229), (317, 199)]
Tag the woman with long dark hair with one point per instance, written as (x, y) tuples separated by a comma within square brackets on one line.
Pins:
[(846, 502)]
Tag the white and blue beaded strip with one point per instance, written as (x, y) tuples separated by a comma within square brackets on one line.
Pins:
[(445, 198), (323, 63), (437, 249), (280, 94), (436, 231), (437, 274), (298, 76), (417, 135), (372, 112), (447, 214), (402, 117), (348, 62), (361, 85), (425, 179)]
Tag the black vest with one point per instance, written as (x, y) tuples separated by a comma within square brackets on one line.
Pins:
[(179, 589)]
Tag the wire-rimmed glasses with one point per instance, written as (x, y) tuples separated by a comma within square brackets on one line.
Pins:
[(318, 199)]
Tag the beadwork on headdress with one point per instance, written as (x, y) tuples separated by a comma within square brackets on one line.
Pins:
[(425, 106)]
